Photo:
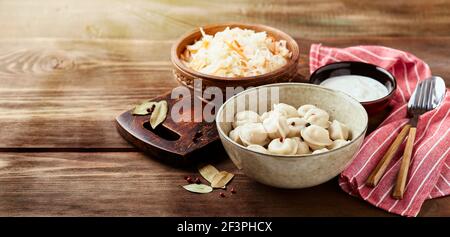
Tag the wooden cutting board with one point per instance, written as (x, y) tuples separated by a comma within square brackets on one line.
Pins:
[(178, 143)]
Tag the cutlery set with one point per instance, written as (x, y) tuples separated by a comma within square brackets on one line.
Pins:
[(428, 94)]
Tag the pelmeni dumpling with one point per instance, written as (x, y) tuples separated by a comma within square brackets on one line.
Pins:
[(244, 117), (234, 135), (289, 131), (302, 110), (338, 130), (302, 147), (286, 110), (257, 148), (317, 117), (276, 126), (253, 134), (267, 114), (320, 151), (295, 126), (287, 146), (337, 143), (316, 137)]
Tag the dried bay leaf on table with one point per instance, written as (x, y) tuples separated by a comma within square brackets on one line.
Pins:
[(143, 108), (198, 188), (221, 179), (208, 172), (159, 114)]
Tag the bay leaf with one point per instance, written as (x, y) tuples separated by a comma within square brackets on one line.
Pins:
[(159, 114), (143, 108), (198, 188), (208, 172), (221, 179)]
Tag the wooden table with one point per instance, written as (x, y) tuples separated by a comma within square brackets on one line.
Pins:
[(68, 68)]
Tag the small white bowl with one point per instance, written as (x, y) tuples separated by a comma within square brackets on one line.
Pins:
[(294, 171)]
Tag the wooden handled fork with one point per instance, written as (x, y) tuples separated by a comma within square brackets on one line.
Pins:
[(427, 96)]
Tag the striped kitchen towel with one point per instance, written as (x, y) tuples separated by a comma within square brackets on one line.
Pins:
[(429, 172)]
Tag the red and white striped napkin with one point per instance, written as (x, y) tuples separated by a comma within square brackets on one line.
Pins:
[(429, 172)]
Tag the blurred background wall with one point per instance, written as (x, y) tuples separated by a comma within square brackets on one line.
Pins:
[(167, 19)]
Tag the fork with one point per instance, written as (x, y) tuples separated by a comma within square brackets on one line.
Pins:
[(425, 97)]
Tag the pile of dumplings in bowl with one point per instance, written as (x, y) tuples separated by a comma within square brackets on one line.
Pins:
[(289, 131)]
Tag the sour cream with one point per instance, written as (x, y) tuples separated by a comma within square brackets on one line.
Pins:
[(361, 88)]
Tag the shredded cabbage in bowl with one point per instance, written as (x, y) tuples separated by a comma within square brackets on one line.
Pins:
[(236, 53)]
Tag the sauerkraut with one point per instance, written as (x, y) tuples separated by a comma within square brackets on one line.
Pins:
[(236, 52)]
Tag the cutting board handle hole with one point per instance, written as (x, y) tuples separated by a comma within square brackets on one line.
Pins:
[(162, 132)]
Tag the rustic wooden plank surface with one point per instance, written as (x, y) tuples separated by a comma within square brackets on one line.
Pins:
[(67, 68), (83, 85), (131, 184), (71, 90), (62, 95)]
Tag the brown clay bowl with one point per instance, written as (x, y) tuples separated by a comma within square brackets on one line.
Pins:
[(186, 76), (297, 171)]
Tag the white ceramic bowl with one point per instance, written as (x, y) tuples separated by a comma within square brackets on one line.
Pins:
[(294, 171)]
